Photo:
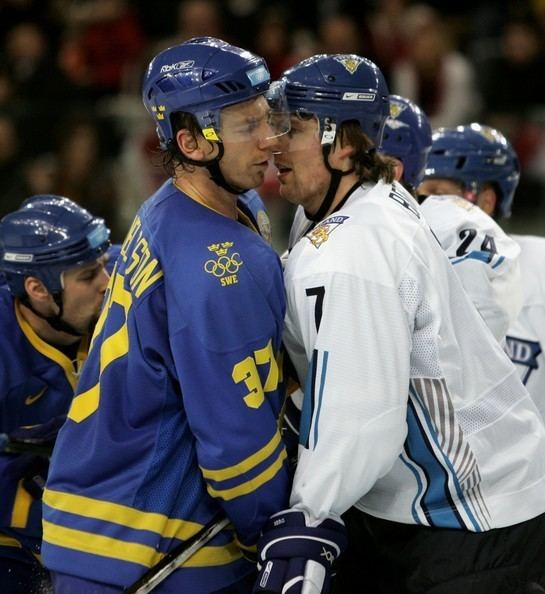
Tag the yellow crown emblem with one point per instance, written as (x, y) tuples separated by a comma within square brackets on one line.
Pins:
[(159, 111), (220, 249)]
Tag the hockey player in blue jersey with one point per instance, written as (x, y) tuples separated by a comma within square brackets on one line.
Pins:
[(52, 254), (177, 410)]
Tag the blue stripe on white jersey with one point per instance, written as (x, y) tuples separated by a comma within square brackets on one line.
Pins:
[(481, 256), (312, 402), (447, 476), (436, 500)]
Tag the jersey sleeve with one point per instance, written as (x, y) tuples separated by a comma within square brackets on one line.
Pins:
[(485, 258), (226, 352), (355, 386)]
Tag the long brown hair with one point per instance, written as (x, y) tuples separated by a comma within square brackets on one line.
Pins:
[(368, 164)]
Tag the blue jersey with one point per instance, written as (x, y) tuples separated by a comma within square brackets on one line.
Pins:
[(37, 383), (176, 415)]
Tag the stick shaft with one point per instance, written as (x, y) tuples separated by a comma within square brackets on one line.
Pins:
[(177, 557)]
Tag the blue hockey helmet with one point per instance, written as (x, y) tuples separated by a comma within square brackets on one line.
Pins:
[(338, 88), (475, 155), (47, 235), (407, 137), (201, 76)]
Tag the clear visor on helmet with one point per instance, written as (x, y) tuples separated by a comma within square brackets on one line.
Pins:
[(307, 131), (260, 119)]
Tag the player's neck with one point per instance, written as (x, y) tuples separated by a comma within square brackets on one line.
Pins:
[(204, 191), (346, 183), (44, 330)]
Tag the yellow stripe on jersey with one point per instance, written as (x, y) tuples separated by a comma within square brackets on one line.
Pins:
[(49, 351), (252, 484), (113, 347), (123, 515), (106, 546), (8, 541), (244, 466), (21, 507)]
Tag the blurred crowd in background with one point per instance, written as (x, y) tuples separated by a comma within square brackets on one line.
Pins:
[(72, 121)]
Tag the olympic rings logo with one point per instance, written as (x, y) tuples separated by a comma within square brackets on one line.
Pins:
[(224, 265)]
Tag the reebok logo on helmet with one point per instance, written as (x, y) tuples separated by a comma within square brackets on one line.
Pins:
[(183, 65)]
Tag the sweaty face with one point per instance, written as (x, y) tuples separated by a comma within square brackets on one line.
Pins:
[(303, 176), (84, 289), (249, 138)]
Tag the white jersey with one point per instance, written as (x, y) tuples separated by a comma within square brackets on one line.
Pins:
[(483, 255), (412, 411), (525, 343), (299, 227)]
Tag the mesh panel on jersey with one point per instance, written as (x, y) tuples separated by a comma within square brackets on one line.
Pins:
[(490, 407), (424, 355), (173, 474)]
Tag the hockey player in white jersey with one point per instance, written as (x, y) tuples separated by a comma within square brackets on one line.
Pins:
[(479, 163), (525, 341), (468, 167), (413, 417)]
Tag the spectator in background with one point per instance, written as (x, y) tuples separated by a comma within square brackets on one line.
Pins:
[(521, 55), (86, 173), (194, 18), (272, 39), (104, 43), (39, 88), (387, 33), (341, 34), (432, 73), (11, 175)]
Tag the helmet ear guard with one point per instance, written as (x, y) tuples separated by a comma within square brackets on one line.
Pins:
[(47, 235), (475, 155)]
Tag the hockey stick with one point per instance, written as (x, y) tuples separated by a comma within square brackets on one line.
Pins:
[(37, 447), (177, 557)]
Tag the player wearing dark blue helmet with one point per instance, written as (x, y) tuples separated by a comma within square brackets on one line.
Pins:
[(52, 256), (407, 138), (470, 179), (477, 160), (338, 95), (478, 163), (175, 420), (199, 87)]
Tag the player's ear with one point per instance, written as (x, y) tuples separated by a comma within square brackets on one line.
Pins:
[(196, 148), (341, 155), (487, 200), (36, 289)]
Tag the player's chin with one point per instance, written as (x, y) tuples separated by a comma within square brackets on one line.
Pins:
[(253, 179), (286, 193)]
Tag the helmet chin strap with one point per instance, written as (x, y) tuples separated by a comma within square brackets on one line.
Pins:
[(336, 176), (216, 174), (56, 321)]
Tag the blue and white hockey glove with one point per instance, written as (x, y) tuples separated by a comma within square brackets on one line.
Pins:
[(295, 556)]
